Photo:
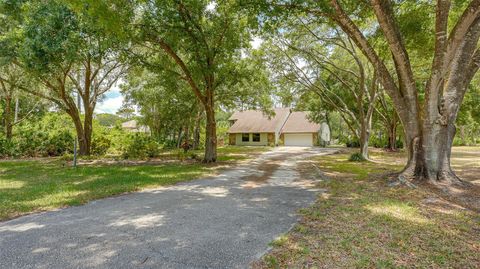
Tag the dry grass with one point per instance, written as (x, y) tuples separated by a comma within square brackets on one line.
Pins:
[(361, 222)]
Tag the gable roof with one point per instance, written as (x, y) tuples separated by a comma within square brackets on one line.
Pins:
[(131, 124), (254, 121), (298, 122)]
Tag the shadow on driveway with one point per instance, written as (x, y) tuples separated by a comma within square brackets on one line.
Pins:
[(225, 221)]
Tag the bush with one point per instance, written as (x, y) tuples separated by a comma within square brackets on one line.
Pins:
[(169, 144), (7, 148), (356, 157), (378, 142), (58, 144), (140, 146), (352, 144), (100, 144), (399, 144)]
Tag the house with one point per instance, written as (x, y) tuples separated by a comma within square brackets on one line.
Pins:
[(133, 126), (288, 128)]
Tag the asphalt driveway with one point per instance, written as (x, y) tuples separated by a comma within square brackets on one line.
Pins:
[(222, 222)]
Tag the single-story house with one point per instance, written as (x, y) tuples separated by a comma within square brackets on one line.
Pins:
[(133, 126), (285, 128)]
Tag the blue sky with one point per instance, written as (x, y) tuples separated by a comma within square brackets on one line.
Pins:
[(111, 103)]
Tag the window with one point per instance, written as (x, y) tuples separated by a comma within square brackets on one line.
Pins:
[(256, 137), (245, 137)]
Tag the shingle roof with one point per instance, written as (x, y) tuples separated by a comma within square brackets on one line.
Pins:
[(298, 122), (131, 124), (254, 121)]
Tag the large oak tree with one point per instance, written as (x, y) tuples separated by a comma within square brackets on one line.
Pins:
[(427, 108), (68, 53), (197, 41)]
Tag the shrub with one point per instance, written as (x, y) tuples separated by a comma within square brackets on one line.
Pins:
[(140, 146), (58, 144), (399, 144), (7, 148), (356, 157), (169, 144), (378, 142), (352, 144), (100, 144)]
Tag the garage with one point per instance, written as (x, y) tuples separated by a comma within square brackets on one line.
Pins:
[(299, 140)]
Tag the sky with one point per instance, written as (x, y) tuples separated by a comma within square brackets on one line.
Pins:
[(111, 103), (113, 98)]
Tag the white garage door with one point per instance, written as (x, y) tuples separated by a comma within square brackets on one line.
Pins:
[(302, 140)]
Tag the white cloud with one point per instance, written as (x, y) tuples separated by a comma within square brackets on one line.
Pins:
[(109, 105)]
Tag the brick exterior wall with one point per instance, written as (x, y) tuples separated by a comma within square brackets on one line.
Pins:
[(315, 139), (281, 141), (231, 139), (271, 139)]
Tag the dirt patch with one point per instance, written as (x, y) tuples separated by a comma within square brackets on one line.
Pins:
[(467, 196), (265, 172)]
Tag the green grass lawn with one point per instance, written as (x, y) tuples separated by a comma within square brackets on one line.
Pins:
[(35, 185), (361, 222)]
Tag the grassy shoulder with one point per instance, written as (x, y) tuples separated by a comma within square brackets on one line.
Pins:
[(35, 185), (361, 222)]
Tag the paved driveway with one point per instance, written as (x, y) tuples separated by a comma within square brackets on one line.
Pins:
[(221, 222)]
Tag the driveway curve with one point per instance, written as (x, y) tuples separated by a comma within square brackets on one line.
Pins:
[(224, 221)]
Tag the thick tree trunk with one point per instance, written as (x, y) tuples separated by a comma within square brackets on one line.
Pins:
[(83, 149), (431, 153), (428, 133), (211, 131)]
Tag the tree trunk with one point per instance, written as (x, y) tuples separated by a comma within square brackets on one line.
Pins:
[(88, 131), (365, 136), (392, 133), (17, 108), (429, 132), (196, 131), (8, 118), (211, 131), (179, 138), (392, 137), (83, 148)]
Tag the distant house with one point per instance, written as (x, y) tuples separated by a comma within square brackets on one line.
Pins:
[(133, 126), (288, 128)]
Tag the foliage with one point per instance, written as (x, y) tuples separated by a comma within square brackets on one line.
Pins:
[(108, 120), (352, 143), (47, 137), (78, 61), (100, 144), (140, 146), (356, 157)]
